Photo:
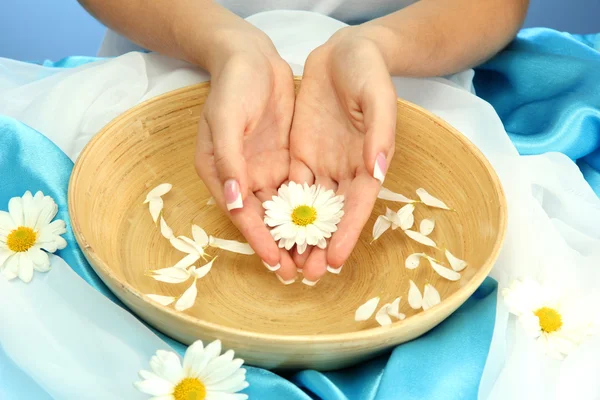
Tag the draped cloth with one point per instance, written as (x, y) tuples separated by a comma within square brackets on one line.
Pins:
[(65, 336)]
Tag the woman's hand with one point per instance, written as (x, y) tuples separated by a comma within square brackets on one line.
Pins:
[(342, 136), (242, 150)]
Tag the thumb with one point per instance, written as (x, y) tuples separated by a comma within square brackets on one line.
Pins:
[(379, 106), (228, 149)]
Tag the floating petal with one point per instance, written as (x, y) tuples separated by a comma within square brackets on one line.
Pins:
[(430, 200), (183, 246), (188, 298), (200, 236), (211, 201), (456, 263), (415, 300), (171, 275), (406, 217), (419, 237), (386, 194), (394, 309), (381, 225), (205, 269), (413, 260), (431, 297), (156, 206), (158, 191), (382, 316), (443, 271), (365, 311), (165, 230), (426, 226), (231, 245)]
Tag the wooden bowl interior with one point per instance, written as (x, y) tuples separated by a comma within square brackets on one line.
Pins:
[(154, 143)]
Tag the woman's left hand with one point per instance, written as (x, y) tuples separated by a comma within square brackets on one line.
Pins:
[(342, 136)]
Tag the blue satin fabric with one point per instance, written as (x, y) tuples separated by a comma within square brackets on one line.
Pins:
[(446, 363), (546, 88)]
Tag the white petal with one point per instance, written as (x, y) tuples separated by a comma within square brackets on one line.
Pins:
[(5, 253), (322, 243), (47, 211), (200, 236), (25, 268), (225, 371), (11, 267), (386, 194), (211, 201), (426, 226), (188, 298), (163, 300), (231, 245), (183, 246), (415, 300), (7, 224), (158, 191), (301, 248), (167, 365), (443, 271), (155, 206), (195, 360), (418, 237), (15, 208), (164, 229), (30, 210), (198, 247), (381, 225), (382, 316), (456, 263), (406, 217), (40, 259), (413, 260), (394, 308), (154, 387), (431, 297), (187, 261), (171, 275), (226, 385), (205, 269), (430, 200), (365, 311)]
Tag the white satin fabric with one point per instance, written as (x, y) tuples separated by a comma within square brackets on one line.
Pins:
[(553, 230)]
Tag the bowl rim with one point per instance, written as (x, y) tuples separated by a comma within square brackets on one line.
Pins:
[(446, 307)]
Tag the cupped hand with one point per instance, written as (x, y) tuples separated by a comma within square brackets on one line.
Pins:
[(242, 151), (342, 137)]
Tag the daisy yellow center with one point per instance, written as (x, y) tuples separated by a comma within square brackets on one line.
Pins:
[(550, 319), (21, 239), (304, 215), (190, 389)]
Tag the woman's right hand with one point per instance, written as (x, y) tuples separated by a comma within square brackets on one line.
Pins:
[(242, 152)]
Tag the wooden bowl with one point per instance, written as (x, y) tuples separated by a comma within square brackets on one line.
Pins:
[(240, 302)]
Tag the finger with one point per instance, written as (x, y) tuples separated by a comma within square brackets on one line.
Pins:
[(315, 266), (359, 201), (326, 182), (379, 107), (300, 173), (228, 147), (287, 273), (300, 259)]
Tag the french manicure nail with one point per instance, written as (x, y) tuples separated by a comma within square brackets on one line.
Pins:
[(272, 268), (309, 282), (380, 168), (233, 196), (335, 270), (288, 282)]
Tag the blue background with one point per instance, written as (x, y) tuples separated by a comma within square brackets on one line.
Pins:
[(34, 30)]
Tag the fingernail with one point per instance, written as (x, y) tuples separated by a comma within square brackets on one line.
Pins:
[(270, 268), (233, 197), (380, 168), (288, 282), (309, 283), (335, 270)]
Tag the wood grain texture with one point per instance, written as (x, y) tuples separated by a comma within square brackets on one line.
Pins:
[(240, 301)]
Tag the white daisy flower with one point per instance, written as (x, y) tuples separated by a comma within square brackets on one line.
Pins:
[(204, 375), (28, 234), (303, 216), (556, 323)]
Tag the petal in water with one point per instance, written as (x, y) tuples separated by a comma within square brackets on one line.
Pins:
[(165, 230), (211, 201), (415, 300), (365, 311), (200, 236), (394, 309), (162, 300), (381, 225), (158, 191), (382, 316), (426, 226), (205, 269), (456, 263), (188, 298), (231, 245), (183, 245), (431, 297), (406, 216), (171, 275), (443, 271), (156, 206), (413, 260), (429, 200), (419, 237), (386, 194)]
